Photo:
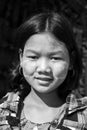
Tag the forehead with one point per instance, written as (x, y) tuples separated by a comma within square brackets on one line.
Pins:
[(44, 41)]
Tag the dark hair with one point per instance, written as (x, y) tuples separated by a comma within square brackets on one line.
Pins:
[(60, 27)]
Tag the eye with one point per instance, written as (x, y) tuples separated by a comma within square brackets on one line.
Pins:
[(32, 57), (56, 58)]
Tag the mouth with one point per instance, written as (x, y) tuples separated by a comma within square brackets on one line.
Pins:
[(44, 80)]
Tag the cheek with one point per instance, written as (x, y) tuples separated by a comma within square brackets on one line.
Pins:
[(28, 68), (61, 70)]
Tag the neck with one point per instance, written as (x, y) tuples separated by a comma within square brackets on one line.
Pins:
[(50, 99)]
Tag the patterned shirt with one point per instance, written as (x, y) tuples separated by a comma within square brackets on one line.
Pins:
[(73, 118)]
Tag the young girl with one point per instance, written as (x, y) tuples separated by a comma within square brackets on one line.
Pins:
[(44, 81)]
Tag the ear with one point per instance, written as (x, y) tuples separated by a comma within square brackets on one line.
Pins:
[(71, 64), (20, 56), (70, 67)]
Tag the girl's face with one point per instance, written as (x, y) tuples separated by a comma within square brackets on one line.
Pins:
[(45, 62)]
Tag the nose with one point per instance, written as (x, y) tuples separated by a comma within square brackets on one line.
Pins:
[(43, 66)]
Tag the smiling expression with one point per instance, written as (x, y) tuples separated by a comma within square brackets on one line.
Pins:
[(45, 62)]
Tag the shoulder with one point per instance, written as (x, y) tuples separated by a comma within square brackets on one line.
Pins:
[(8, 106), (76, 112), (76, 103), (9, 99)]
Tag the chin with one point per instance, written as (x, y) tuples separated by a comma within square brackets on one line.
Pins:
[(44, 91)]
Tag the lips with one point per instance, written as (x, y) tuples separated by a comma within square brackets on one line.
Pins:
[(44, 78)]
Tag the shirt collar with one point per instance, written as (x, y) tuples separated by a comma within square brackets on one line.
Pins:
[(75, 104)]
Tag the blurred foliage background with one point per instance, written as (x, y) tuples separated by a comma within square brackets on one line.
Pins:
[(14, 12)]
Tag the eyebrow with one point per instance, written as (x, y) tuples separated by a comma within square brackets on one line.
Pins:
[(49, 53)]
